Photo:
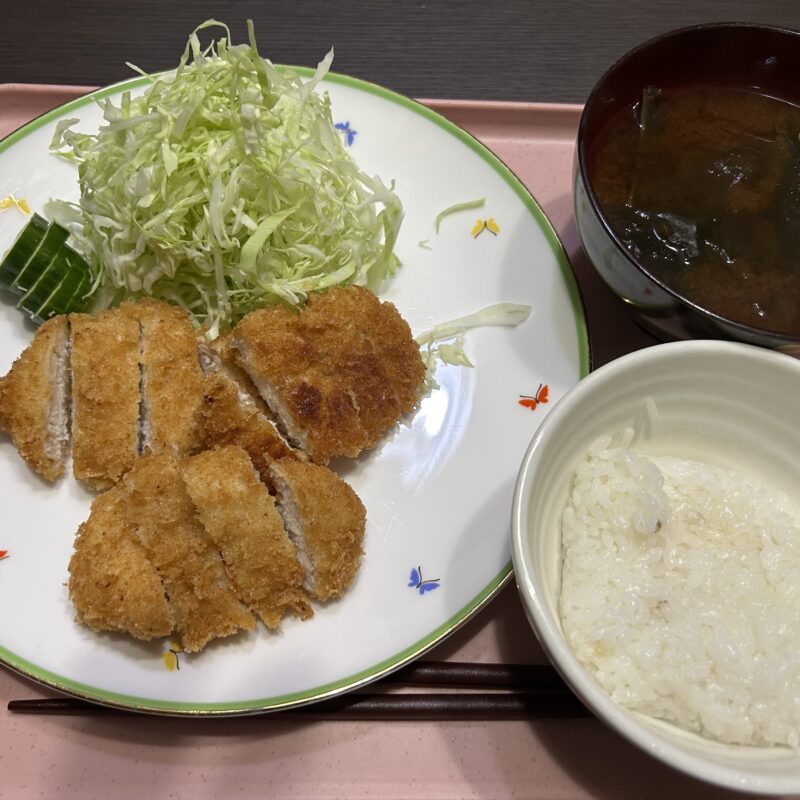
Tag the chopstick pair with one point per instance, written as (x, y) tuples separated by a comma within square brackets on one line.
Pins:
[(528, 692)]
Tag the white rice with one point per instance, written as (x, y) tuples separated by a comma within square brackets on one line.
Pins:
[(680, 593)]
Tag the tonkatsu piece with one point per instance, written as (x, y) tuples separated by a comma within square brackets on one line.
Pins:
[(105, 396), (239, 515), (113, 583), (325, 519), (200, 593), (337, 374), (34, 400), (171, 377)]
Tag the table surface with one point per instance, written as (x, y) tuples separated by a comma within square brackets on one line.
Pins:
[(519, 50), (509, 50)]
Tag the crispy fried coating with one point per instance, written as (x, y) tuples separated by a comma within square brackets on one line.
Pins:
[(227, 419), (34, 397), (332, 327), (325, 519), (388, 332), (112, 583), (338, 374), (171, 378), (201, 596), (105, 396), (315, 407), (239, 515)]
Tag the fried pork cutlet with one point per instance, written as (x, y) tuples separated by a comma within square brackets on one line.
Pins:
[(338, 374), (201, 596), (386, 329), (105, 396), (239, 515), (325, 519), (315, 408), (226, 419), (171, 378), (112, 582), (34, 400)]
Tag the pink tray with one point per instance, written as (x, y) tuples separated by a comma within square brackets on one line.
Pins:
[(136, 757)]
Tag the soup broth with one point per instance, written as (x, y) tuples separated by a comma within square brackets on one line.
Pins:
[(702, 185)]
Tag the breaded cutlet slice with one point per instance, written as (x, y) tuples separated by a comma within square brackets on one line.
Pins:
[(325, 520), (34, 400), (226, 365), (113, 584), (386, 329), (225, 419), (200, 594), (239, 515), (171, 378), (331, 327), (105, 396), (316, 409)]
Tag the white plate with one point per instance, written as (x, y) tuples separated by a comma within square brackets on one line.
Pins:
[(437, 491)]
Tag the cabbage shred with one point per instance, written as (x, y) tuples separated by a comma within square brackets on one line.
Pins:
[(223, 188)]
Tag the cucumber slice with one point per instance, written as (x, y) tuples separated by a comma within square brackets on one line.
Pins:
[(63, 291), (50, 277), (24, 246), (53, 240)]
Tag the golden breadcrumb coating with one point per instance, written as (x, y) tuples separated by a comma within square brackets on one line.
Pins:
[(239, 515), (332, 327), (316, 408), (388, 332), (112, 583), (204, 602), (325, 519), (105, 396), (171, 375), (338, 374), (34, 398), (226, 419)]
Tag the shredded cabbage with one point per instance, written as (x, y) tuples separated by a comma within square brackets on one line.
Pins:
[(444, 343), (223, 188), (456, 208)]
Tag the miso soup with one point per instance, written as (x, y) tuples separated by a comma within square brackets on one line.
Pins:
[(702, 185)]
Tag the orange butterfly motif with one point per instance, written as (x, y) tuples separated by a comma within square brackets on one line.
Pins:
[(542, 396), (3, 554)]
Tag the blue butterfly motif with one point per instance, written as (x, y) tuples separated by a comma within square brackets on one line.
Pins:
[(349, 133), (416, 581)]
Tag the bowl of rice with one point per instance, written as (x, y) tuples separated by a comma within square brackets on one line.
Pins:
[(656, 548)]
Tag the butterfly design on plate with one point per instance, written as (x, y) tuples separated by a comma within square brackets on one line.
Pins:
[(542, 396), (485, 225), (170, 658), (3, 554), (349, 133), (416, 581)]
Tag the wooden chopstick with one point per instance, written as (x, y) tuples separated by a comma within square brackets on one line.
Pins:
[(530, 692)]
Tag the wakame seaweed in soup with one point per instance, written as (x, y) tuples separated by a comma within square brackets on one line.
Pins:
[(702, 185)]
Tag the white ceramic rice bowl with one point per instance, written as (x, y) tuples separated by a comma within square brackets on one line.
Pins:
[(721, 402)]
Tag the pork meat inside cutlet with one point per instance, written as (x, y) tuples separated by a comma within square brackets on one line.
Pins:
[(105, 396), (200, 594), (34, 400), (345, 351), (325, 519), (171, 378), (226, 419), (113, 584), (239, 515), (316, 409)]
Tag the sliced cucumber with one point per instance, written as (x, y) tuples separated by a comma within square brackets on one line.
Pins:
[(23, 248), (50, 277), (60, 288), (54, 239)]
